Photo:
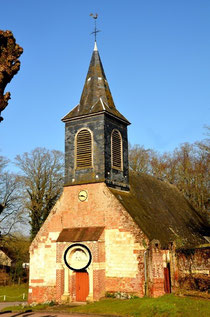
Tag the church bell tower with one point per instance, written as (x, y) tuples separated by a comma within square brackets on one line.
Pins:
[(96, 143)]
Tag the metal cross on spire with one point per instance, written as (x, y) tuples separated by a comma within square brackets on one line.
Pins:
[(95, 16)]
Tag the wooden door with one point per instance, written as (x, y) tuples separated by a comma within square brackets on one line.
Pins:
[(82, 286), (167, 279)]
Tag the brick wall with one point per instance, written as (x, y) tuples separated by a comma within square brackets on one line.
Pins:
[(117, 256), (194, 268), (155, 270)]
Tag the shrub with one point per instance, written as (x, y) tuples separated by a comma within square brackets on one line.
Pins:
[(197, 282), (120, 295)]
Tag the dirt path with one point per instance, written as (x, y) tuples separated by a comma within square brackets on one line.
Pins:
[(7, 304)]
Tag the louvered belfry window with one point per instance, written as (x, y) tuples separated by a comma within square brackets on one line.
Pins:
[(116, 150), (84, 149)]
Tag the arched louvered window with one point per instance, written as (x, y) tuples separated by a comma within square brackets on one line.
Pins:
[(116, 144), (84, 149)]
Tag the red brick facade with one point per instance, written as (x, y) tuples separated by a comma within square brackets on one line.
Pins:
[(104, 210)]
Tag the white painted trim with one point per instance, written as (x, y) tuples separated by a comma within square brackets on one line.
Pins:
[(114, 167), (102, 103), (106, 104), (94, 105)]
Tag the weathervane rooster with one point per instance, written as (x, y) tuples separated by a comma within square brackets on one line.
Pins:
[(95, 16)]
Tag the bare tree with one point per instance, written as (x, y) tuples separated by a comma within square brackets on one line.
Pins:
[(11, 214), (42, 183), (140, 158), (187, 167), (10, 51)]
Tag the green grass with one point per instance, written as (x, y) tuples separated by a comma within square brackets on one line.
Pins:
[(13, 293), (165, 306)]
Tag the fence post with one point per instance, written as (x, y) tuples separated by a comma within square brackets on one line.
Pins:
[(4, 298), (24, 295)]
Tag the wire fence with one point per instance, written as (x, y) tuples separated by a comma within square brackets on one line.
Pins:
[(13, 298)]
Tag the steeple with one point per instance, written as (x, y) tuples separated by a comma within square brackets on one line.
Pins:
[(96, 144), (96, 96)]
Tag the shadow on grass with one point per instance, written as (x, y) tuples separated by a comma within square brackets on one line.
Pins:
[(165, 306)]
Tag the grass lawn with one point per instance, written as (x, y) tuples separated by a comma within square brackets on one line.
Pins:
[(14, 293), (165, 306)]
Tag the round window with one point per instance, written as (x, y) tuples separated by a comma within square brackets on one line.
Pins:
[(77, 257)]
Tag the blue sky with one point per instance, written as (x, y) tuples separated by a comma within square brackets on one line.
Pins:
[(156, 56)]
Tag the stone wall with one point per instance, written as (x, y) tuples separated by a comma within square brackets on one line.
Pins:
[(113, 176), (101, 127), (95, 124)]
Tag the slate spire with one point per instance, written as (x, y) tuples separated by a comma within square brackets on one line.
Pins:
[(96, 141), (96, 96)]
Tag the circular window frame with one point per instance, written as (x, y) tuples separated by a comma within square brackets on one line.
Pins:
[(82, 246)]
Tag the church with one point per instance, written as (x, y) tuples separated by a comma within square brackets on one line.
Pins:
[(112, 230)]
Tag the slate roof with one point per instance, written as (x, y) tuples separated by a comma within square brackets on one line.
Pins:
[(162, 212), (96, 96)]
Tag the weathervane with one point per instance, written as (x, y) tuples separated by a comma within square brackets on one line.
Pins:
[(95, 18)]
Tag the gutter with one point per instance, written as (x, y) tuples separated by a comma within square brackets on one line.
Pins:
[(145, 273)]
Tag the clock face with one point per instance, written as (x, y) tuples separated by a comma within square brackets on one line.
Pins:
[(83, 195)]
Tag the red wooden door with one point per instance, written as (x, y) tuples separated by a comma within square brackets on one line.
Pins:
[(167, 282), (82, 286)]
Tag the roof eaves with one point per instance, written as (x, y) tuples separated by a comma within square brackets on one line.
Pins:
[(66, 119), (117, 117), (62, 119)]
